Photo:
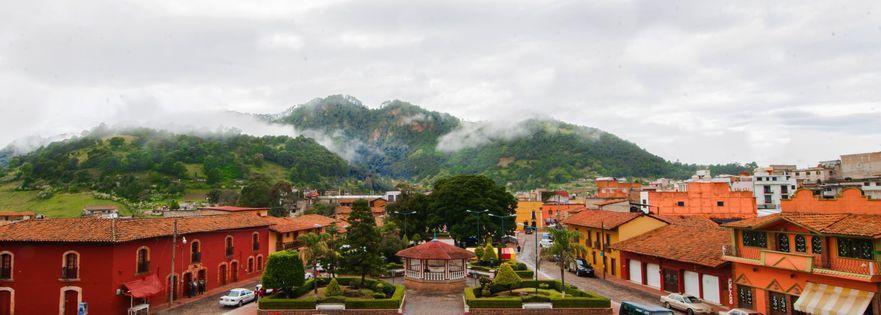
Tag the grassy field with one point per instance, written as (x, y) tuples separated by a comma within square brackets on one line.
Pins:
[(272, 171), (60, 205)]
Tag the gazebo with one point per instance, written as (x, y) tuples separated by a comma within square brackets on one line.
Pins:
[(435, 266)]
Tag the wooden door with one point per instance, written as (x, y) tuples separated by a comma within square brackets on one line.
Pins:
[(671, 280), (5, 303), (222, 272), (234, 269), (71, 302)]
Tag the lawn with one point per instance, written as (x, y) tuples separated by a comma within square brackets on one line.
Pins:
[(60, 205)]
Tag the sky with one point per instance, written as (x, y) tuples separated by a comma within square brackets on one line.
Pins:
[(693, 81)]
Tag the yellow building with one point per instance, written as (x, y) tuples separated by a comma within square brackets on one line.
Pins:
[(599, 229), (524, 213), (283, 232)]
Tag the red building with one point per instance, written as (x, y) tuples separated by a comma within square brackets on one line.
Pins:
[(557, 212), (680, 258), (49, 266), (611, 188)]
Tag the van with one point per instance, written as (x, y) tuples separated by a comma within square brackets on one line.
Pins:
[(630, 308)]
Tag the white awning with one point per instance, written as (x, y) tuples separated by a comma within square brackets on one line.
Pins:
[(825, 299)]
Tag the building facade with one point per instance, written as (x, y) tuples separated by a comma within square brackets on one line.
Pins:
[(553, 213), (284, 232), (615, 188), (850, 200), (111, 264), (713, 199), (797, 263), (771, 185), (524, 214), (862, 165)]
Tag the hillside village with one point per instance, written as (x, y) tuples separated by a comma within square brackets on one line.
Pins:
[(778, 240)]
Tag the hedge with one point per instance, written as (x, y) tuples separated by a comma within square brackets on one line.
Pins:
[(271, 303), (391, 303), (525, 274), (395, 291), (480, 268), (491, 302)]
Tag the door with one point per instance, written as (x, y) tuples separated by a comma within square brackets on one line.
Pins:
[(711, 289), (188, 284), (671, 280), (653, 275), (71, 302), (5, 302), (692, 283), (234, 270), (635, 267), (222, 272)]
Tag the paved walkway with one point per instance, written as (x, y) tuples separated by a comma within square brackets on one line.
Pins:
[(209, 303), (417, 303)]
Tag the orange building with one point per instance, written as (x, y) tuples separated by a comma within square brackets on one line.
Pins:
[(710, 199), (377, 207), (796, 263), (557, 212), (611, 188), (850, 200)]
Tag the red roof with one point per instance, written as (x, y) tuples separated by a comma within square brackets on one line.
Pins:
[(866, 225), (601, 218), (233, 208), (13, 213), (301, 223), (93, 230), (680, 243), (435, 250), (145, 287)]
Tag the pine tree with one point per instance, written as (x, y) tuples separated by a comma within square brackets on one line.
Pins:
[(507, 278), (489, 254), (333, 288), (364, 255)]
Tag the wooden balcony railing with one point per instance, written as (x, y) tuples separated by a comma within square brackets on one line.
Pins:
[(804, 262), (68, 272)]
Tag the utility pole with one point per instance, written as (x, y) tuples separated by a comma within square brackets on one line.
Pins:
[(478, 222), (173, 280), (603, 246)]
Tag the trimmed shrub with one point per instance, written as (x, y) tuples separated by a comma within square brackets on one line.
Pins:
[(306, 287), (489, 254), (520, 266), (333, 288), (478, 252), (390, 303), (536, 299), (284, 270), (270, 303), (506, 279), (525, 274), (480, 268), (491, 302)]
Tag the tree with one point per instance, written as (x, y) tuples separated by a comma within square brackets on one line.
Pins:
[(489, 254), (322, 209), (364, 241), (333, 288), (278, 211), (453, 195), (315, 247), (284, 270), (255, 194), (390, 242), (566, 248), (478, 252), (506, 278)]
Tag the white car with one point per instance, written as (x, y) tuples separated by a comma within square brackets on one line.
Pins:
[(545, 243), (740, 311), (686, 303), (237, 297)]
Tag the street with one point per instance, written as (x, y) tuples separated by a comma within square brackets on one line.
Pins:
[(613, 291), (210, 305)]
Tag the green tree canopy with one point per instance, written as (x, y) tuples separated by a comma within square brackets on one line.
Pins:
[(284, 270), (566, 248), (506, 278), (364, 253)]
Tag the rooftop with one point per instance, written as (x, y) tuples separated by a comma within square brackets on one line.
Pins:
[(301, 223), (93, 230), (677, 242), (13, 213), (601, 218), (435, 249), (233, 209), (863, 225)]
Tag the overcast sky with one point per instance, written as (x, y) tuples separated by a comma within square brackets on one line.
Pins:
[(695, 81)]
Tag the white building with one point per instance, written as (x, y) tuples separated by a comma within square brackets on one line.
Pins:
[(770, 185)]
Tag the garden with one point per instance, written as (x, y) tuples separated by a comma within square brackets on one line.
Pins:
[(487, 260), (509, 290)]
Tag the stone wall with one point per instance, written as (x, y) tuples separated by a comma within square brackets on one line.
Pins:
[(450, 286), (555, 311)]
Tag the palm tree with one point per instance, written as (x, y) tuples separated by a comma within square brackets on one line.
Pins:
[(314, 248), (566, 249)]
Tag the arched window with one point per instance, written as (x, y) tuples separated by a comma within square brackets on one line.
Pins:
[(70, 265), (195, 252), (143, 259), (255, 239), (229, 248), (250, 264), (6, 265), (259, 262)]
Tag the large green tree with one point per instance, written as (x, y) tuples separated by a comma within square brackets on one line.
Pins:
[(566, 249), (314, 248), (284, 270), (256, 194), (364, 254), (452, 196)]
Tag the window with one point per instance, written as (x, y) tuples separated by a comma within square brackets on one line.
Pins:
[(196, 252), (767, 198), (680, 203), (6, 266), (143, 260), (415, 264), (817, 244), (255, 240), (801, 244), (259, 262), (755, 239), (744, 297), (456, 265), (229, 248), (784, 189), (782, 242), (855, 248), (612, 266), (608, 240), (778, 303), (70, 267), (720, 203), (589, 239), (250, 264)]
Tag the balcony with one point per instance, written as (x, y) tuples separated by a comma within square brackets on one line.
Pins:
[(5, 273), (857, 269), (69, 273), (229, 252), (256, 246), (143, 266), (196, 257)]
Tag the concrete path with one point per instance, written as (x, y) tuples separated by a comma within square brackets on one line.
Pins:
[(418, 303)]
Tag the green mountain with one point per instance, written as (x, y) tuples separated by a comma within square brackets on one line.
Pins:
[(402, 140)]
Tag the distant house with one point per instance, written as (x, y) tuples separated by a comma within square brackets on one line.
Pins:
[(103, 212), (232, 209), (615, 188), (283, 232), (344, 208), (12, 216)]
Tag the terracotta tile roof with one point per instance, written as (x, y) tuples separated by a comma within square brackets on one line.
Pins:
[(92, 230), (435, 250), (233, 209), (301, 223), (865, 225), (609, 202), (687, 220), (601, 218), (13, 213), (679, 243)]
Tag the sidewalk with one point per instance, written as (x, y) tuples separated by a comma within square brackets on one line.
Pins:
[(184, 301)]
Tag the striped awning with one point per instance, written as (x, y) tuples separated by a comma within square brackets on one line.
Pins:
[(825, 299)]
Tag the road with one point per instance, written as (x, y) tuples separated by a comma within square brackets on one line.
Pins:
[(613, 291), (210, 305)]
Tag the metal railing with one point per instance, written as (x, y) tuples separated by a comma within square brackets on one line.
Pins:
[(6, 273), (68, 272)]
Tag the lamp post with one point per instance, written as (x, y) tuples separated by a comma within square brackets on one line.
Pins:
[(502, 222), (478, 222), (405, 214), (315, 263)]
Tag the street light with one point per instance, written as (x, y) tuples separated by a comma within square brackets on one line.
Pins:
[(478, 221), (502, 222), (405, 214)]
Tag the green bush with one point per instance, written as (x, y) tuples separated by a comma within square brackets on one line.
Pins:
[(480, 268), (489, 254), (284, 270), (478, 252), (391, 303), (506, 279), (270, 303), (536, 299), (520, 266), (306, 287), (491, 302), (333, 288), (525, 274), (581, 302)]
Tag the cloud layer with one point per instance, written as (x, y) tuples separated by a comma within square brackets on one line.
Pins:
[(696, 81)]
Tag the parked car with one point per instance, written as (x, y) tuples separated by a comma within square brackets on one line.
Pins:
[(686, 303), (237, 297), (510, 239), (740, 311), (630, 308), (545, 243), (468, 241), (583, 269)]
